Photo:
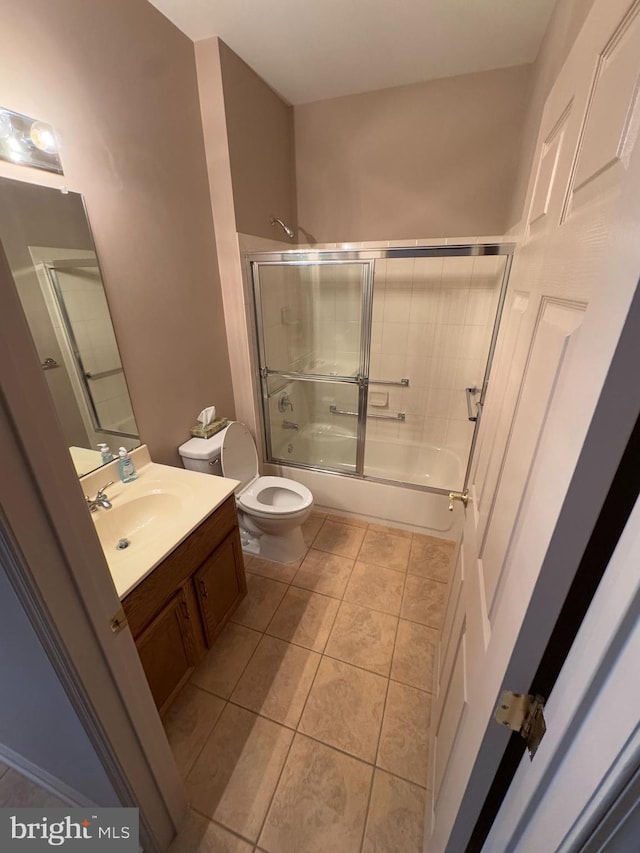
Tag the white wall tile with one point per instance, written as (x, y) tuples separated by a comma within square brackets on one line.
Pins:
[(417, 368), (394, 338), (438, 401), (435, 431), (390, 367)]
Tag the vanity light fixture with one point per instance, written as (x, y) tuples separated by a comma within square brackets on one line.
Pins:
[(27, 141)]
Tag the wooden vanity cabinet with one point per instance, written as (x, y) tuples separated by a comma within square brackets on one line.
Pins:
[(167, 650), (218, 587), (176, 612)]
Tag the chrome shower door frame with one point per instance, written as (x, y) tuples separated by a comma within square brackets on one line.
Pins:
[(310, 257), (83, 377), (361, 380)]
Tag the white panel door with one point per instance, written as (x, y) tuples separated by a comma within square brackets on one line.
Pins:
[(572, 281)]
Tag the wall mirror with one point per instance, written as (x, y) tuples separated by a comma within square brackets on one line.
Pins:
[(46, 237)]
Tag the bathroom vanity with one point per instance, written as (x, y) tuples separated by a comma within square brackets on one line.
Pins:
[(176, 612), (172, 544)]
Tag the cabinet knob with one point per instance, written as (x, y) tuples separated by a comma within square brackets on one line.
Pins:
[(203, 589)]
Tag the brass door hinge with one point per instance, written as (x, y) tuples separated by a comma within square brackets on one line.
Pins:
[(118, 621), (523, 714), (463, 497)]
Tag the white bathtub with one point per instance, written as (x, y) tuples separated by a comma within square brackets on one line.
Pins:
[(421, 464), (330, 445), (324, 445)]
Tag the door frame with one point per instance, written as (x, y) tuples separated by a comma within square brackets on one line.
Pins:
[(60, 574)]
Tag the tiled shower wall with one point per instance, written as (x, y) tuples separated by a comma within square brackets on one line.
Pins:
[(432, 324)]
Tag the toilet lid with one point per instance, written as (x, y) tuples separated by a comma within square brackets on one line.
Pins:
[(239, 457)]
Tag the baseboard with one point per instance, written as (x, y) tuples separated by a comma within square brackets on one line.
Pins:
[(44, 779)]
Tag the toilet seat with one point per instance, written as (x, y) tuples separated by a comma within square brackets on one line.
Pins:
[(263, 497), (275, 497)]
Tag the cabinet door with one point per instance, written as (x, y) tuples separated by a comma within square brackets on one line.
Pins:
[(166, 649), (220, 585)]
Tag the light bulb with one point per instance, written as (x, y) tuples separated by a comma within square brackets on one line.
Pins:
[(43, 137)]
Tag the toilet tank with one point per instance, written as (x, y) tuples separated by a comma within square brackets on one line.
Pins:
[(203, 454)]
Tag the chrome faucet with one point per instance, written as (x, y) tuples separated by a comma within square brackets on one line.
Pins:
[(289, 425), (100, 500)]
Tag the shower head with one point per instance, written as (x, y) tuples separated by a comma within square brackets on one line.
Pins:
[(285, 228)]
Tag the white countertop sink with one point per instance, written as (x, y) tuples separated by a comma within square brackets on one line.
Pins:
[(152, 515)]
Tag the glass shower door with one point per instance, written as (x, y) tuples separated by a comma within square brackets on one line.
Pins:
[(313, 322)]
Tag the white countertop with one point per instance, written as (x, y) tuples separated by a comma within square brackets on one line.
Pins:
[(85, 460), (155, 513)]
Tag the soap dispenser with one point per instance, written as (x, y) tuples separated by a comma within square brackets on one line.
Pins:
[(105, 453), (126, 468)]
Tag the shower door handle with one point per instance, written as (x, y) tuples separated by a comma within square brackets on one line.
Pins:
[(469, 392), (49, 364)]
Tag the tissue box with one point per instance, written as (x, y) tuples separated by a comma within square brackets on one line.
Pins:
[(200, 431)]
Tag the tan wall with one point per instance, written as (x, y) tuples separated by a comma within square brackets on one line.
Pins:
[(564, 25), (118, 82), (431, 159), (261, 148)]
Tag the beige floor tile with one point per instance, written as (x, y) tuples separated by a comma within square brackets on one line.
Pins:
[(431, 557), (324, 572), (198, 835), (395, 823), (304, 618), (343, 518), (262, 599), (225, 661), (283, 572), (237, 771), (375, 587), (311, 528), (189, 722), (385, 549), (363, 637), (424, 601), (392, 531), (338, 538), (18, 792), (414, 655), (277, 681), (344, 708), (404, 743), (320, 803)]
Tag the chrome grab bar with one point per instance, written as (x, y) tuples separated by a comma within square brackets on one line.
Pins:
[(403, 382), (469, 391), (399, 416)]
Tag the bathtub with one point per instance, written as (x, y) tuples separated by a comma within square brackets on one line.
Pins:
[(420, 464), (323, 445), (329, 445)]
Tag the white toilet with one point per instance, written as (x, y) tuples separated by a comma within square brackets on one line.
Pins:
[(271, 510)]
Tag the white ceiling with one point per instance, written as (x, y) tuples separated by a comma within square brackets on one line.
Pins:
[(312, 49)]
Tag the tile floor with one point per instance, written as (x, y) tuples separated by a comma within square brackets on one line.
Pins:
[(16, 791), (305, 728)]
